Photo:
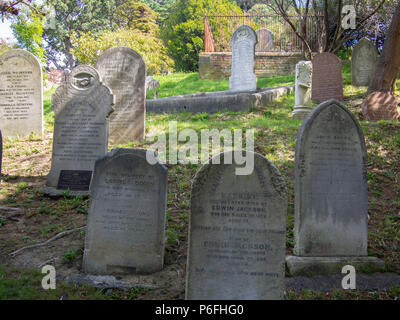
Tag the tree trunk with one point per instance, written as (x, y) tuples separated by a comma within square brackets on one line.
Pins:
[(389, 62)]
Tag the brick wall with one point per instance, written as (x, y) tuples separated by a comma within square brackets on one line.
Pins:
[(217, 65)]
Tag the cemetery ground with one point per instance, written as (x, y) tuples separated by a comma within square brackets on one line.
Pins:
[(27, 217)]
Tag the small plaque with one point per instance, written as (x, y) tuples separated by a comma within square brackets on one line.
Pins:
[(74, 180)]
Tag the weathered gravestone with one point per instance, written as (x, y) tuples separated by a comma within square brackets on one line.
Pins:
[(21, 94), (124, 72), (331, 204), (243, 44), (237, 232), (302, 98), (265, 40), (327, 82), (126, 221), (363, 62), (81, 107), (380, 106)]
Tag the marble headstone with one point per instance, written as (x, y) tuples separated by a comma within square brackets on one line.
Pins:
[(363, 62), (380, 106), (331, 198), (327, 82), (265, 40), (237, 233), (243, 44), (123, 70), (302, 98), (21, 94), (81, 107), (127, 211)]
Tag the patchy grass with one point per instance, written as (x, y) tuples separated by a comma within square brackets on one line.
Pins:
[(26, 164)]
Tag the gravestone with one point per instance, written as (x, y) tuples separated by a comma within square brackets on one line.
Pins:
[(302, 98), (380, 106), (331, 199), (327, 82), (363, 62), (237, 232), (124, 72), (265, 40), (81, 107), (243, 44), (126, 221), (21, 94)]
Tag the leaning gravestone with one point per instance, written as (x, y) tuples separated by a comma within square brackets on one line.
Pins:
[(126, 221), (81, 107), (237, 232), (331, 199), (265, 40), (363, 62), (302, 98), (243, 44), (21, 94), (327, 82), (124, 72)]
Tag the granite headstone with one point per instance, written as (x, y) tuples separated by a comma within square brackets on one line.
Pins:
[(123, 70), (21, 94), (363, 62), (81, 107), (237, 232), (327, 82), (243, 44), (265, 40), (127, 211)]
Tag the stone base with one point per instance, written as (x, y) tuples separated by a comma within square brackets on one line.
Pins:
[(308, 266), (300, 112), (56, 193)]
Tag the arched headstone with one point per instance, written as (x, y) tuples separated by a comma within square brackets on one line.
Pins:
[(21, 94), (265, 40), (81, 107), (243, 44), (237, 232), (331, 198), (363, 62), (123, 70), (126, 221)]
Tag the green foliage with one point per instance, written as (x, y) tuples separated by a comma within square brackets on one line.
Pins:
[(183, 31), (162, 7), (28, 30), (89, 47)]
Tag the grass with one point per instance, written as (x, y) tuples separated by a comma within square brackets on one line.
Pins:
[(26, 164)]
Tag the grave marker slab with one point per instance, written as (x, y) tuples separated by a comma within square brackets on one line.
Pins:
[(243, 44), (265, 40), (237, 232), (331, 199), (81, 107), (21, 94), (327, 82), (126, 221), (123, 70), (302, 98), (363, 62)]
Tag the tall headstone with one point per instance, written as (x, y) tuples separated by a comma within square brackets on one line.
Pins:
[(363, 62), (302, 100), (331, 199), (243, 44), (126, 221), (327, 82), (237, 232), (124, 72), (21, 94), (265, 40), (81, 107)]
